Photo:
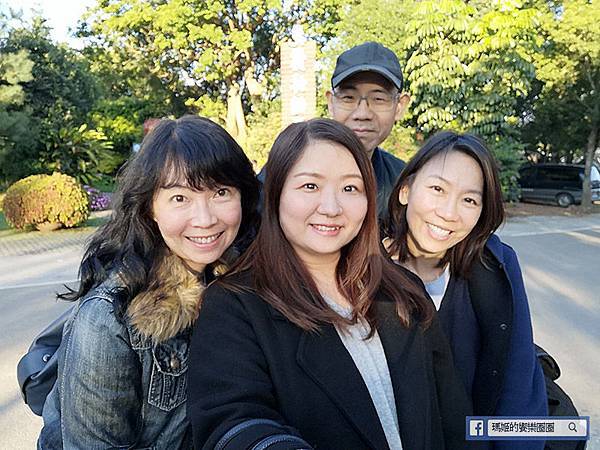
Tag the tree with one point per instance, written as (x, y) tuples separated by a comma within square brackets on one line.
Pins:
[(207, 50), (570, 70), (15, 69), (468, 64), (56, 99)]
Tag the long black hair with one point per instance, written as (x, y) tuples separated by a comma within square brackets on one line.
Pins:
[(191, 148), (462, 256)]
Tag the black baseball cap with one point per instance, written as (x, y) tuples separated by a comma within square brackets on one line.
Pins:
[(368, 57)]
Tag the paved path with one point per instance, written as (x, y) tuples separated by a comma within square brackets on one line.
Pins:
[(537, 225)]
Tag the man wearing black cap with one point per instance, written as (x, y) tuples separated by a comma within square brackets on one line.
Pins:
[(367, 97)]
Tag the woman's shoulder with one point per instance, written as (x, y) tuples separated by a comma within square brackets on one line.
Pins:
[(501, 251), (96, 312), (237, 288)]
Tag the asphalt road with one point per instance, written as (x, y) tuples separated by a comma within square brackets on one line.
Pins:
[(562, 277), (560, 258), (24, 311)]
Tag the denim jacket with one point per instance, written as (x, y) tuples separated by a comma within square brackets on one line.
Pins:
[(122, 384)]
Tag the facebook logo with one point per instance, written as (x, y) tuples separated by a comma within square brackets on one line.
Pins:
[(475, 428)]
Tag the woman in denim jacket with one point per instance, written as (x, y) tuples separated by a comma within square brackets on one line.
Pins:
[(185, 206)]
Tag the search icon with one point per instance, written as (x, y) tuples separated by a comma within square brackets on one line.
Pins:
[(572, 427)]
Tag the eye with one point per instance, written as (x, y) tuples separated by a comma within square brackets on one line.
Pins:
[(222, 192), (309, 186), (380, 99), (351, 188), (347, 97), (471, 201), (437, 188), (178, 198)]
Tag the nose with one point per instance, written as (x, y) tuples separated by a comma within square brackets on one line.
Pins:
[(202, 214), (363, 111), (329, 204), (447, 209)]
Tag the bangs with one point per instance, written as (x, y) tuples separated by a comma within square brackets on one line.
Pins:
[(197, 169)]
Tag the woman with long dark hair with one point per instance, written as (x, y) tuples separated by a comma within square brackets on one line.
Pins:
[(184, 206), (444, 209), (316, 339)]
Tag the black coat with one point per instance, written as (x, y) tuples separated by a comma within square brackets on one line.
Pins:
[(248, 361)]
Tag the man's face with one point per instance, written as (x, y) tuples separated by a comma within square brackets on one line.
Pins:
[(371, 127)]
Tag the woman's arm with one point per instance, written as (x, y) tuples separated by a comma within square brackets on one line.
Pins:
[(231, 403), (100, 379)]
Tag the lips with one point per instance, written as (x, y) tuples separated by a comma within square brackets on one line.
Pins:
[(439, 232), (205, 240), (362, 130), (326, 229)]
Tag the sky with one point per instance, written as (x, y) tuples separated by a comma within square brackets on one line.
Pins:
[(61, 15)]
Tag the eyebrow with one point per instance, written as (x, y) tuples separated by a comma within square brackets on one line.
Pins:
[(320, 176), (470, 191), (177, 186), (354, 88)]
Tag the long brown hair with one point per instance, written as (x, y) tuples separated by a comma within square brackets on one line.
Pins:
[(462, 256), (363, 271)]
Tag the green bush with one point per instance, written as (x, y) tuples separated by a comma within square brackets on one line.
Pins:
[(41, 200), (79, 152), (2, 195)]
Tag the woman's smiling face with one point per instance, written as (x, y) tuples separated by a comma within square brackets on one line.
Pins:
[(323, 202), (198, 226), (444, 202)]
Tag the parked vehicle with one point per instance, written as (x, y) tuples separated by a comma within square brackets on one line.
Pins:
[(561, 184)]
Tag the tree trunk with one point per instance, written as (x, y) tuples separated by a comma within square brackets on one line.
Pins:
[(236, 122), (592, 144)]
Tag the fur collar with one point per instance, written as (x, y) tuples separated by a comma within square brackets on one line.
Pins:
[(169, 305)]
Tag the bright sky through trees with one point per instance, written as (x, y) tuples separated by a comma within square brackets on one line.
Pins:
[(61, 15)]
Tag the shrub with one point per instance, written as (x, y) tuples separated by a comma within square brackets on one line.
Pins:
[(39, 200), (99, 201), (2, 195), (79, 152)]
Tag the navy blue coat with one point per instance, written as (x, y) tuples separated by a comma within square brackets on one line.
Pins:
[(509, 380)]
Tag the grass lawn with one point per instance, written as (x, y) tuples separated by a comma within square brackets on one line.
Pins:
[(105, 184), (92, 222), (3, 224)]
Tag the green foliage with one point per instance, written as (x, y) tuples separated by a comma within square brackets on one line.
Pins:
[(468, 65), (59, 94), (467, 69), (46, 199), (3, 225), (15, 69), (61, 81), (507, 152), (199, 51), (121, 120), (568, 108), (2, 195), (82, 153), (263, 127), (15, 127), (402, 142)]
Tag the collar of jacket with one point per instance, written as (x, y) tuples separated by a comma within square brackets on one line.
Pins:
[(494, 245), (170, 305)]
